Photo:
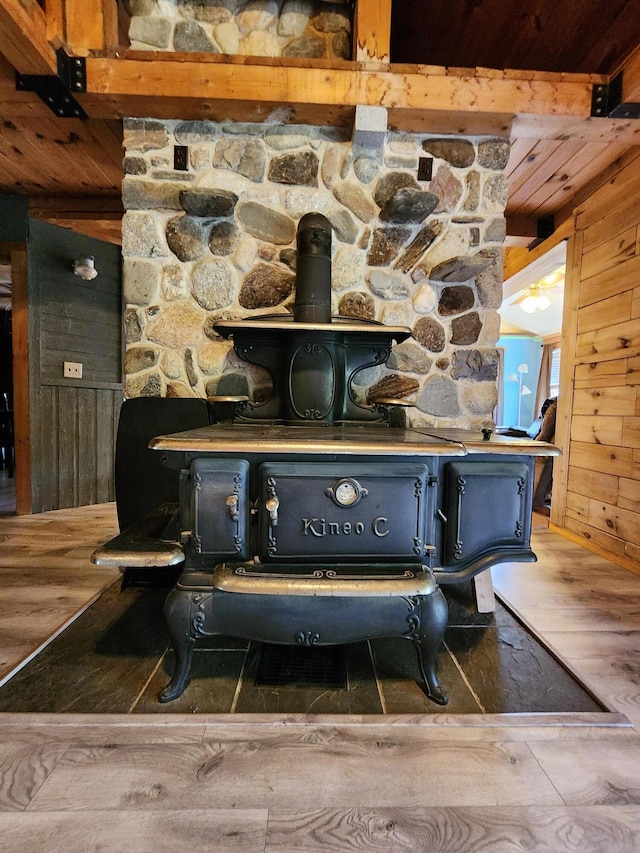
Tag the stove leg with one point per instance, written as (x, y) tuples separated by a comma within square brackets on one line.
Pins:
[(432, 627), (177, 611)]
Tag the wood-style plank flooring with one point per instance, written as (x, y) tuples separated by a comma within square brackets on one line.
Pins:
[(264, 783)]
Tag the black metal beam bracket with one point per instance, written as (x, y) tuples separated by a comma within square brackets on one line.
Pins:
[(606, 101), (57, 90)]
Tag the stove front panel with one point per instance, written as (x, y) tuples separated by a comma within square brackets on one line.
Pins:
[(343, 512)]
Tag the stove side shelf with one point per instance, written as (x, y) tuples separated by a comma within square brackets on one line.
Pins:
[(152, 542)]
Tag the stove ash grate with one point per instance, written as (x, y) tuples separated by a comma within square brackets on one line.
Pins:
[(287, 666)]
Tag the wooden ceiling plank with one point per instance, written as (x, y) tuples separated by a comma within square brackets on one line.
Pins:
[(23, 37), (615, 38), (589, 168), (372, 31), (520, 150), (110, 142), (573, 160), (536, 168), (631, 79), (20, 156)]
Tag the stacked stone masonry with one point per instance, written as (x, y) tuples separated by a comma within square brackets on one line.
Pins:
[(218, 241), (308, 29)]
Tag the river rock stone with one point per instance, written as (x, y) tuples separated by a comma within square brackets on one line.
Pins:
[(410, 358), (409, 205), (194, 132), (140, 281), (143, 385), (455, 300), (458, 152), (224, 238), (259, 43), (140, 236), (213, 284), (190, 37), (286, 137), (386, 285), (211, 204), (294, 17), (199, 157), (155, 32), (357, 304), (300, 168), (246, 157), (425, 299), (331, 21), (178, 325), (385, 245), (211, 11), (307, 46), (331, 169), (389, 184), (472, 198), (140, 358), (480, 398), (229, 385), (132, 326), (430, 334), (171, 364), (439, 397), (466, 330), (227, 35), (448, 188), (192, 373), (353, 197), (418, 246), (495, 193), (460, 268), (135, 166), (178, 389), (366, 169), (494, 154), (257, 15), (489, 281), (265, 223), (211, 357), (186, 237), (140, 134), (341, 45), (477, 365), (344, 226), (173, 283), (150, 195), (266, 286), (496, 230), (347, 269)]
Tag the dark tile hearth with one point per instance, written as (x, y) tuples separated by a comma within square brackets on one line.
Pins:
[(115, 659)]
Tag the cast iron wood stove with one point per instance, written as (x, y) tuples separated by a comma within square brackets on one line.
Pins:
[(309, 518)]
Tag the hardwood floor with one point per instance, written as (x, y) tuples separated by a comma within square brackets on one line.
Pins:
[(273, 782)]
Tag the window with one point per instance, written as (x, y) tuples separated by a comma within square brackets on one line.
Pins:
[(554, 378)]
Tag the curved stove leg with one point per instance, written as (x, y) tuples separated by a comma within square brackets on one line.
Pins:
[(432, 627), (177, 611)]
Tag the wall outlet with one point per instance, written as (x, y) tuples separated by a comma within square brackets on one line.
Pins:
[(73, 369)]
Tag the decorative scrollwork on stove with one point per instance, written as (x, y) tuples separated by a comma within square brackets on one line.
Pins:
[(307, 638), (521, 484), (197, 544), (413, 618), (199, 601), (519, 529), (197, 481)]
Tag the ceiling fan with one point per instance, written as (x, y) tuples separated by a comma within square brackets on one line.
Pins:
[(535, 297)]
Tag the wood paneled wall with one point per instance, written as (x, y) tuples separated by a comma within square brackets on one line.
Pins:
[(73, 421), (597, 481)]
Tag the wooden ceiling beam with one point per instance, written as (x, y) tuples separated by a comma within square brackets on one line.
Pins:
[(23, 37), (631, 79), (184, 86)]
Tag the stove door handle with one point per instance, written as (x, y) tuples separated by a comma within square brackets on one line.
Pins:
[(272, 508), (232, 503)]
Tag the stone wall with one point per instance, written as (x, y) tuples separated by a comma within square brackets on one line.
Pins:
[(311, 29), (218, 240)]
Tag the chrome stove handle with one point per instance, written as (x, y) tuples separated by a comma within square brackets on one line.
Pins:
[(232, 503), (272, 508)]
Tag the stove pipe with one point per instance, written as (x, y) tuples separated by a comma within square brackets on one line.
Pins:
[(313, 272)]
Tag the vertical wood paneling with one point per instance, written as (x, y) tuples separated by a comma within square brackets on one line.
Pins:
[(599, 500), (73, 430), (21, 380)]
